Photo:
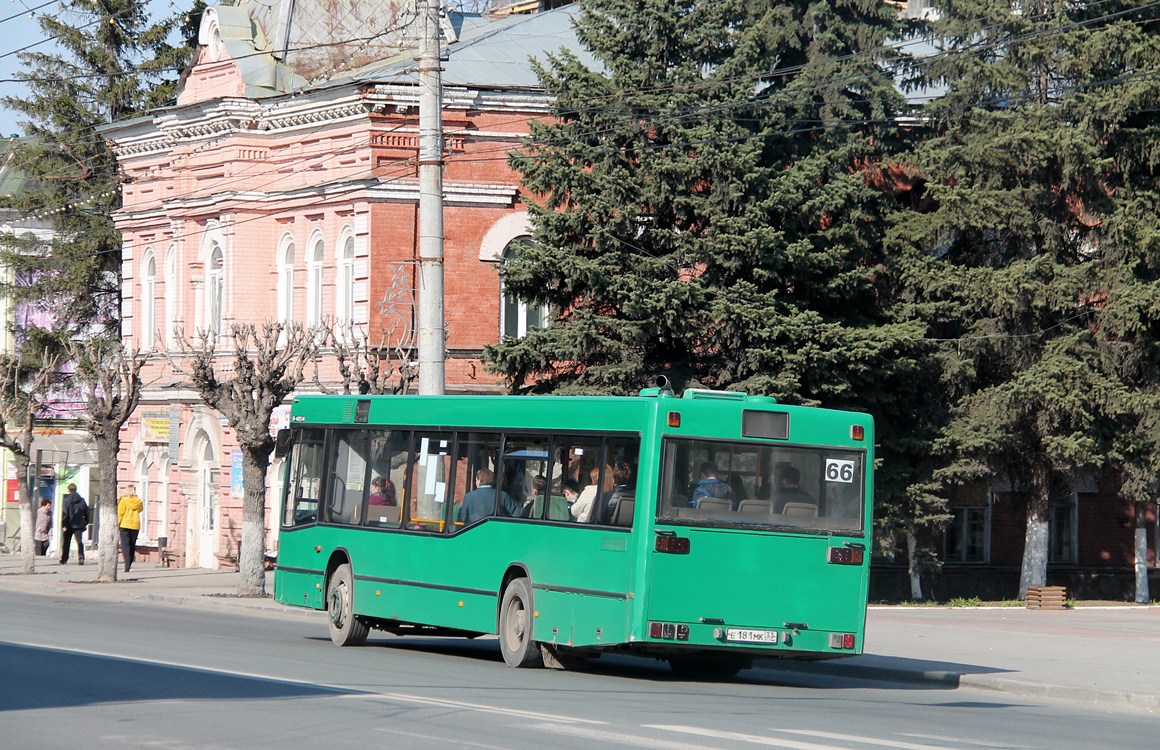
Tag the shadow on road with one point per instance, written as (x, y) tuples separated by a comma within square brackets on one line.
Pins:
[(37, 677), (838, 674)]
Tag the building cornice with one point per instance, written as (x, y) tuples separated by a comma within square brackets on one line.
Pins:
[(206, 122), (369, 190)]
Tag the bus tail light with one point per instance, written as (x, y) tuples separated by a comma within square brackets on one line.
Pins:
[(674, 419), (850, 555), (668, 631), (844, 641), (673, 544), (857, 432)]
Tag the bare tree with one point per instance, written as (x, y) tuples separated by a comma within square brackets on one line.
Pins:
[(23, 391), (111, 378), (266, 365), (386, 365)]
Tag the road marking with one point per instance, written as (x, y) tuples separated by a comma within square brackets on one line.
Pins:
[(457, 742), (756, 739), (864, 740), (619, 738), (753, 739), (480, 707)]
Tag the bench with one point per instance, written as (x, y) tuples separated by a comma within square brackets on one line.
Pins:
[(1046, 597)]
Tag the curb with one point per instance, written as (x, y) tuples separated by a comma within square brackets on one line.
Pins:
[(1071, 694), (949, 680)]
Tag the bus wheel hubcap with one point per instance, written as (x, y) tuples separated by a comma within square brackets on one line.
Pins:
[(516, 627), (336, 606)]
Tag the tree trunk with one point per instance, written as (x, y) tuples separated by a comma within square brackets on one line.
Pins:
[(912, 566), (1035, 543), (27, 514), (1142, 596), (252, 559), (107, 449)]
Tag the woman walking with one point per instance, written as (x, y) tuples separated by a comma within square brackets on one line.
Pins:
[(129, 509)]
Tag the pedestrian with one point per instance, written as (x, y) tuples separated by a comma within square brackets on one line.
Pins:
[(73, 520), (43, 527), (129, 509)]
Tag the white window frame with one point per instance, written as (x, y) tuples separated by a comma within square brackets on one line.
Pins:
[(148, 299), (316, 258), (523, 311), (171, 296), (285, 265), (215, 283), (344, 280)]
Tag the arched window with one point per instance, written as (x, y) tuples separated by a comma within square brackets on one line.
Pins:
[(344, 290), (314, 281), (148, 299), (516, 317), (286, 281), (214, 290), (170, 295)]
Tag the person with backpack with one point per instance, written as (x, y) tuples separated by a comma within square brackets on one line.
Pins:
[(74, 518), (710, 486)]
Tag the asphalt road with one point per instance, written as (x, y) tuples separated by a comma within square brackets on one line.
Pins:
[(82, 673)]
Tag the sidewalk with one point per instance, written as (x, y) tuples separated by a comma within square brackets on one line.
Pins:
[(1105, 656)]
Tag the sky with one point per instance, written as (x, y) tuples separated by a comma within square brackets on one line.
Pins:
[(18, 30)]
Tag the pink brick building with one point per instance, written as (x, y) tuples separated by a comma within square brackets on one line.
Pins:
[(282, 186)]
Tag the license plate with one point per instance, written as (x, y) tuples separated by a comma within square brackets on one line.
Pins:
[(739, 635)]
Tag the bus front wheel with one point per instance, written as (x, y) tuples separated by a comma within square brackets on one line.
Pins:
[(515, 625), (345, 628)]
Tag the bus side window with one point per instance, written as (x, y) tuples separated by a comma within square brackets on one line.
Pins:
[(623, 456), (478, 478), (524, 472), (429, 481), (305, 486), (386, 492), (349, 477), (579, 461)]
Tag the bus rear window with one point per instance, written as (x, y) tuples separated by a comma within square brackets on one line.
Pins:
[(722, 483)]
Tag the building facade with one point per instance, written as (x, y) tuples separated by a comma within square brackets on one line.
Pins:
[(279, 193)]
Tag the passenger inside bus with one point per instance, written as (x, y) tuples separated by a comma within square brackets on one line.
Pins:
[(623, 488), (709, 486), (480, 502), (539, 482), (586, 503), (382, 493), (789, 489)]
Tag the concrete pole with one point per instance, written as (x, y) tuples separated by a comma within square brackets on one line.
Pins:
[(431, 341)]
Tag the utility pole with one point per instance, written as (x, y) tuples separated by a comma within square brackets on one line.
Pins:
[(431, 339)]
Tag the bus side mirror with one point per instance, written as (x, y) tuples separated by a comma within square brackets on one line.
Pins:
[(282, 443)]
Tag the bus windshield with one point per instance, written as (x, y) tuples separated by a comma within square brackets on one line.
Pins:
[(727, 483)]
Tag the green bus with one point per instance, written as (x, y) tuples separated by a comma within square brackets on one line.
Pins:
[(706, 529)]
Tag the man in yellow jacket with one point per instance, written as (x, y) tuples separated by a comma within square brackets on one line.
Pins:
[(129, 509)]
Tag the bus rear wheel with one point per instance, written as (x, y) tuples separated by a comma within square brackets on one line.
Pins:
[(515, 625), (345, 628)]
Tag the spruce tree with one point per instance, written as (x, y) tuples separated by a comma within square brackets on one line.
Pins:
[(710, 203), (108, 63), (709, 208), (1009, 251), (1125, 124)]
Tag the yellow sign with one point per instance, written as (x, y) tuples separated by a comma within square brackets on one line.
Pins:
[(155, 428)]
